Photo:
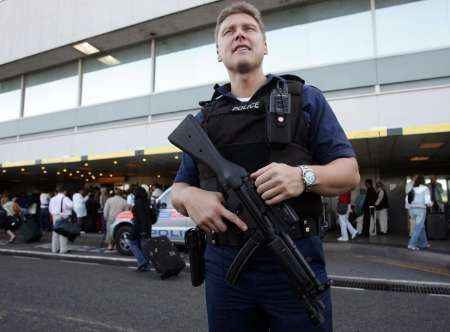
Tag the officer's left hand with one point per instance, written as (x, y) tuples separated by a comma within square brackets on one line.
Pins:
[(277, 182)]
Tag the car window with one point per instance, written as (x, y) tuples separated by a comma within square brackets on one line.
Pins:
[(166, 199)]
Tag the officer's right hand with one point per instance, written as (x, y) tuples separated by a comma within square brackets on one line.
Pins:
[(206, 209)]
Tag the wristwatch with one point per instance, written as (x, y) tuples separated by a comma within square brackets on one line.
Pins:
[(308, 177)]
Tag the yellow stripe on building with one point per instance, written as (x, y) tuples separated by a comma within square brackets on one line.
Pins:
[(163, 150), (366, 134), (61, 160), (110, 155), (428, 129), (19, 163)]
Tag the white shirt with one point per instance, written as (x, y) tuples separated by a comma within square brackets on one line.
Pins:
[(130, 200), (45, 199), (79, 205), (157, 192), (422, 197), (55, 206)]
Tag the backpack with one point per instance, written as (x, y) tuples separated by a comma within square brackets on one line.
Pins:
[(411, 195)]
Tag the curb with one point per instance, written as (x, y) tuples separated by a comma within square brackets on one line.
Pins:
[(429, 258), (71, 257)]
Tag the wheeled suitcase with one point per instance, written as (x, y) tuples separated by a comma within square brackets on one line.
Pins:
[(164, 256), (30, 231), (437, 226)]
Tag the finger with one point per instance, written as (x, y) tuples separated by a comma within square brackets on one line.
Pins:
[(234, 219), (264, 177), (219, 224), (204, 228), (277, 199), (269, 194), (254, 175), (266, 186), (211, 225)]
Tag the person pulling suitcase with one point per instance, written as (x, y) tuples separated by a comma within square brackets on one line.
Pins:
[(142, 228)]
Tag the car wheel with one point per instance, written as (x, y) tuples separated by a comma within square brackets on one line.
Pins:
[(121, 240)]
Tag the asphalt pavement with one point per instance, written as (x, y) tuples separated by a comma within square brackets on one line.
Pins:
[(59, 295)]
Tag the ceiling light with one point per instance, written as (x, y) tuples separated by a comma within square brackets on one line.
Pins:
[(89, 172), (42, 167), (100, 174), (144, 160), (87, 180), (65, 170), (158, 176), (419, 158), (22, 169), (45, 172), (58, 173), (110, 175), (176, 157), (82, 175), (436, 145), (78, 172), (86, 48), (115, 162), (108, 60), (70, 174), (93, 177), (86, 164), (4, 171)]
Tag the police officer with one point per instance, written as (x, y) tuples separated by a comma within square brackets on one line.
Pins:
[(309, 157)]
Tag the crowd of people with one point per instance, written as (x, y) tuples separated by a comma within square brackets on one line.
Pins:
[(368, 215), (93, 209)]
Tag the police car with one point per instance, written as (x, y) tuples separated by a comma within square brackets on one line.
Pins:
[(170, 223)]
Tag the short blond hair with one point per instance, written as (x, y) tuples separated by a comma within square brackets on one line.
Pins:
[(241, 7)]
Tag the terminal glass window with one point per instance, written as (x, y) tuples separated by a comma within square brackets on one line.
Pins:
[(412, 26), (51, 90), (117, 75), (319, 34), (188, 60), (9, 99)]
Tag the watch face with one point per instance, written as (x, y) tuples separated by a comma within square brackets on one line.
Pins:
[(310, 178)]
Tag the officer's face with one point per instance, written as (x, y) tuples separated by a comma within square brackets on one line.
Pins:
[(240, 43)]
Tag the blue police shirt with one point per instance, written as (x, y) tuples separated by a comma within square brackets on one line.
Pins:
[(328, 141)]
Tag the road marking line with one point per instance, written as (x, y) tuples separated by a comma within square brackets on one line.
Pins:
[(76, 262), (404, 265), (25, 257), (440, 295), (348, 288)]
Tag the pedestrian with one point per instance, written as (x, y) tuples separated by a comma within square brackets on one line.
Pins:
[(436, 192), (130, 197), (411, 219), (157, 191), (79, 207), (44, 220), (235, 121), (92, 207), (113, 206), (60, 207), (13, 217), (359, 210), (142, 227), (418, 209), (369, 221), (343, 210), (382, 206)]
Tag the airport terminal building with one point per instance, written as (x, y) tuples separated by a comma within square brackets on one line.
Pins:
[(90, 90)]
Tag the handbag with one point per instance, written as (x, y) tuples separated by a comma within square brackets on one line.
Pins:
[(66, 226), (342, 208)]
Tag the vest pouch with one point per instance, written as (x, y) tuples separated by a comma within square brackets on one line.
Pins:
[(278, 119)]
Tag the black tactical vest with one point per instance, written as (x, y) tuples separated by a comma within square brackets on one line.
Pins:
[(238, 130)]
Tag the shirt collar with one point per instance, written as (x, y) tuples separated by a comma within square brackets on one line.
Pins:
[(225, 89)]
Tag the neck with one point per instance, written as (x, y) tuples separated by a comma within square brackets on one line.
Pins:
[(245, 85)]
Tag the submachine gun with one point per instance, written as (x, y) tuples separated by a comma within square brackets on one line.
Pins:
[(267, 225)]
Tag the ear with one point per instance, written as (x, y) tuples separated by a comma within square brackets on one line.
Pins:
[(219, 59)]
